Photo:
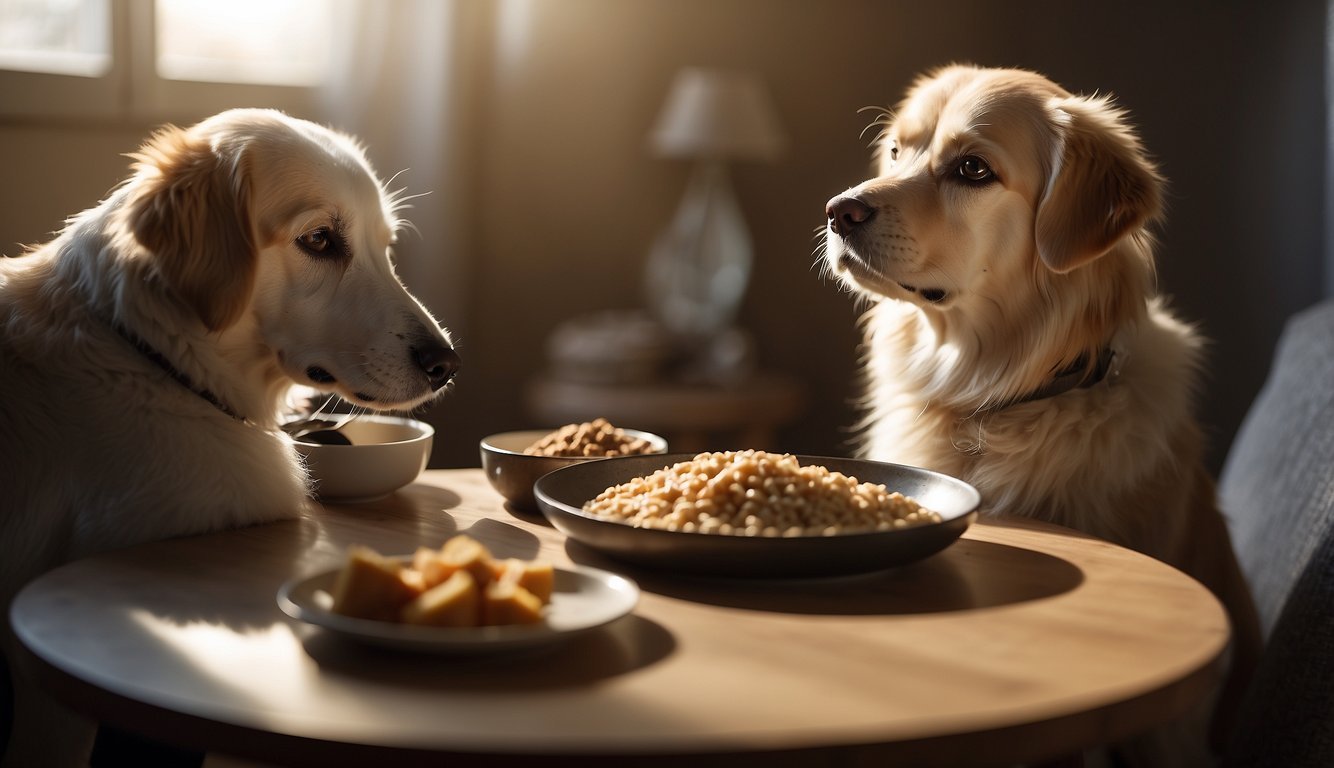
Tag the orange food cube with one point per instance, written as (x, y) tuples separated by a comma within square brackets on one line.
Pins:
[(452, 603), (371, 586), (432, 566), (535, 576), (463, 552), (505, 602)]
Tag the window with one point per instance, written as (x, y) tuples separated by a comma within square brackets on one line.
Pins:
[(272, 42), (69, 37), (163, 59)]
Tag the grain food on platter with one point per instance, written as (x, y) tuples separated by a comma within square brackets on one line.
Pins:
[(756, 493), (461, 584), (591, 438)]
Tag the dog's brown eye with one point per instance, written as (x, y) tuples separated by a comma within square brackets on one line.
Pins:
[(974, 168), (315, 241), (321, 242)]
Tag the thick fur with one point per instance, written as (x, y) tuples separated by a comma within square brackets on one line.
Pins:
[(252, 251), (984, 289)]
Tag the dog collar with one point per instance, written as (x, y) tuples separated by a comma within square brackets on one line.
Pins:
[(1073, 376), (162, 362)]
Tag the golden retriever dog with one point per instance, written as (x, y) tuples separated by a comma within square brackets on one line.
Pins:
[(1015, 337), (147, 353)]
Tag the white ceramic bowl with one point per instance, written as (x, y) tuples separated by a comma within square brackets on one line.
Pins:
[(387, 453)]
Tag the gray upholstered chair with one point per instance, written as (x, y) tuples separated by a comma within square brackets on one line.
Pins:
[(1277, 488)]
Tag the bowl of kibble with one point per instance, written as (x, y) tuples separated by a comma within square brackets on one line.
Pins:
[(758, 514), (513, 461)]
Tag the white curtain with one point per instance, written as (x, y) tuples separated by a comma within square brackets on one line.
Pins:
[(400, 83)]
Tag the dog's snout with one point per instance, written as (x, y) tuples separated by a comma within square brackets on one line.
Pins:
[(846, 213), (438, 361)]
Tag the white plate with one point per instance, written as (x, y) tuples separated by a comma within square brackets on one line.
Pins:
[(583, 599)]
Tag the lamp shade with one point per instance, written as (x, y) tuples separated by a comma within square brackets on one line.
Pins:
[(722, 114)]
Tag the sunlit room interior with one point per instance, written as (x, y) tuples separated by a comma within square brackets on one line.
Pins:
[(562, 155), (526, 128)]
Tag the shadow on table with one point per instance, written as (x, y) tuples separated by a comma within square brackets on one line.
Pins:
[(631, 642), (425, 494), (969, 575), (414, 515), (426, 510), (533, 516)]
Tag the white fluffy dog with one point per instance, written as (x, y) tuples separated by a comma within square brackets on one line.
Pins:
[(147, 353)]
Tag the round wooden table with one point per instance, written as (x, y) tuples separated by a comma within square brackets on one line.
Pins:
[(1019, 643)]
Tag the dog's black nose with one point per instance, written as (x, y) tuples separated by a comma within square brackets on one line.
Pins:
[(438, 361), (846, 213)]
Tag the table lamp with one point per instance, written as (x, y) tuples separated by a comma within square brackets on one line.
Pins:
[(699, 265)]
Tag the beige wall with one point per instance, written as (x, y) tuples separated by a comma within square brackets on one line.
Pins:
[(52, 171), (562, 198)]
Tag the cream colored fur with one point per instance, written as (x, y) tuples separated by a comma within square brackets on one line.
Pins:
[(1004, 239), (252, 251)]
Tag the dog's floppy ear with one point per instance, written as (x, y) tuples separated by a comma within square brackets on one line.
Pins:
[(1103, 187), (191, 210)]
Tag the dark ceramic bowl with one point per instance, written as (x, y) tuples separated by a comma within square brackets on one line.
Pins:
[(513, 472)]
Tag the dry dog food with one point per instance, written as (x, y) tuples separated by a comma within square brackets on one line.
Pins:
[(592, 438), (459, 585), (755, 493)]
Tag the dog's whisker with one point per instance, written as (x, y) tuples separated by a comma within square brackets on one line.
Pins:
[(882, 123), (398, 200), (407, 224)]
